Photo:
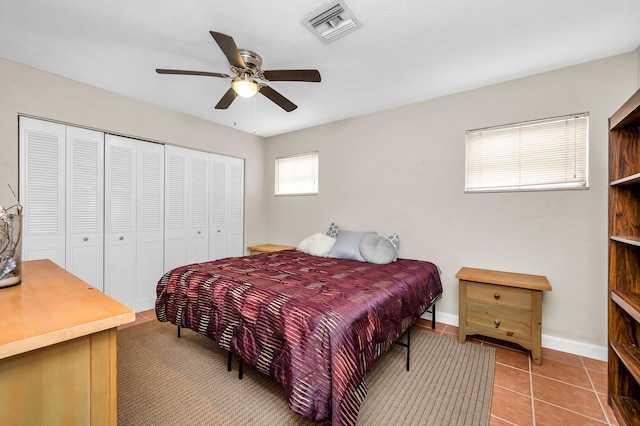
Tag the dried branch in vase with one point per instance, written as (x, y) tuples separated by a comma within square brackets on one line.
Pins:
[(10, 243)]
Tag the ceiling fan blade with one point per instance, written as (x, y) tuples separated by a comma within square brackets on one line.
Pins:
[(229, 48), (186, 72), (226, 99), (276, 97), (292, 75)]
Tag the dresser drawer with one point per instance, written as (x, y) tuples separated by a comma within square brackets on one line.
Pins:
[(498, 295), (499, 322)]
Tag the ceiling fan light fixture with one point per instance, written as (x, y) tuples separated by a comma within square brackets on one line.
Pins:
[(244, 86)]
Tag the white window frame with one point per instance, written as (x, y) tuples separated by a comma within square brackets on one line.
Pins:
[(546, 154), (297, 174)]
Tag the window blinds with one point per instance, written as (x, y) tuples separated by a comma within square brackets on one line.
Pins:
[(535, 155), (297, 174)]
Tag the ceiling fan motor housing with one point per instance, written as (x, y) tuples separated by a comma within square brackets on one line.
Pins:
[(251, 59)]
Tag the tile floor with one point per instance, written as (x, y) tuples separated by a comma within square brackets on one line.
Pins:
[(565, 390)]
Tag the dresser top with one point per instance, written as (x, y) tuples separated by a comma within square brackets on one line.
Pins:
[(511, 279), (50, 306)]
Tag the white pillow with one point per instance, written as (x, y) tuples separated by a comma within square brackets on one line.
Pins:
[(317, 244), (348, 245), (377, 249)]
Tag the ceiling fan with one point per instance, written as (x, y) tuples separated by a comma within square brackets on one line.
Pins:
[(249, 77)]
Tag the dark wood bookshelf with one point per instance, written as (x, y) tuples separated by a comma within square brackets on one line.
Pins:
[(624, 262)]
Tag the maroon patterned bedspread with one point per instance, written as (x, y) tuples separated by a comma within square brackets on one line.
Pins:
[(314, 324)]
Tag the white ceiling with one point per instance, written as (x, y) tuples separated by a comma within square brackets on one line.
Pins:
[(407, 50)]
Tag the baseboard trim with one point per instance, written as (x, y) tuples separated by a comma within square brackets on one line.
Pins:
[(573, 347), (550, 342)]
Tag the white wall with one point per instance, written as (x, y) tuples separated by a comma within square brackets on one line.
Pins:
[(402, 171), (398, 171), (32, 92)]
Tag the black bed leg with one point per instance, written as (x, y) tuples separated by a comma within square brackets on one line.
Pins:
[(408, 346), (433, 316), (240, 369), (178, 331), (229, 361)]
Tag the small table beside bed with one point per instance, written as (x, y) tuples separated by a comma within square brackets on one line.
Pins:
[(314, 324)]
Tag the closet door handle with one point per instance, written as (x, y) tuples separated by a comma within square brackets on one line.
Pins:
[(199, 232), (121, 238), (85, 239)]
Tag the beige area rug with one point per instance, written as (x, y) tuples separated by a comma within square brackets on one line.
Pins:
[(168, 380)]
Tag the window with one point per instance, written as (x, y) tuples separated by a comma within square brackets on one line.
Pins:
[(297, 174), (535, 155)]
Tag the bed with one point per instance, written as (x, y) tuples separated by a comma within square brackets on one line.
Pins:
[(314, 324)]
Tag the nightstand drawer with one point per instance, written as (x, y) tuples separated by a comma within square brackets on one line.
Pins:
[(498, 322), (498, 295)]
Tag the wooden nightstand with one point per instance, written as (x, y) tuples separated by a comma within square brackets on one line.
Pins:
[(269, 248), (503, 305)]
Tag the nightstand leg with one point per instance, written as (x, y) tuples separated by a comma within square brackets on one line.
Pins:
[(536, 327), (462, 311)]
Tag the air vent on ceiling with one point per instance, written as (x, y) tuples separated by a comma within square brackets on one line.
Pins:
[(332, 21)]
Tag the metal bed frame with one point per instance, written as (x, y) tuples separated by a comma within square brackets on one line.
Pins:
[(431, 309)]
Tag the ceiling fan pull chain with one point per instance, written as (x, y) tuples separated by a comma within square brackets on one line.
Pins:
[(254, 115)]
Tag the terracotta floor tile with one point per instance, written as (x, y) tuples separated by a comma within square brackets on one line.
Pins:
[(567, 396), (439, 325), (512, 407), (563, 372), (494, 421), (563, 357), (513, 379), (150, 314), (599, 381), (427, 324), (451, 329), (607, 410), (547, 414), (510, 357), (595, 364)]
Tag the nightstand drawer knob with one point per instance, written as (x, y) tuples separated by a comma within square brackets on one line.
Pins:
[(496, 322), (496, 296)]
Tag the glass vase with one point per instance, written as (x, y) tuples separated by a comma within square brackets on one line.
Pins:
[(10, 250)]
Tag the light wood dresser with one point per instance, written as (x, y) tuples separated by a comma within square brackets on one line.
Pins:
[(502, 305), (269, 248), (58, 350)]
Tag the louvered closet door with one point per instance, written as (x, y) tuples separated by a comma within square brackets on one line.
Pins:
[(198, 191), (218, 207), (120, 219), (186, 207), (150, 223), (42, 189), (176, 220), (84, 204), (235, 194), (226, 215)]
